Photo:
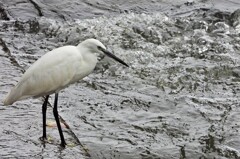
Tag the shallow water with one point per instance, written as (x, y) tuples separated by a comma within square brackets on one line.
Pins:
[(179, 98)]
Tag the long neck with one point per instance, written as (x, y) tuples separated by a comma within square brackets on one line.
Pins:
[(88, 57)]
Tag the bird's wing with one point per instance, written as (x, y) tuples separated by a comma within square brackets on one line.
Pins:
[(53, 71)]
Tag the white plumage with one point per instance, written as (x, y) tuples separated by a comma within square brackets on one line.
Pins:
[(56, 70)]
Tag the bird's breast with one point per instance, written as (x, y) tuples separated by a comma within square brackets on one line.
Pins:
[(83, 68)]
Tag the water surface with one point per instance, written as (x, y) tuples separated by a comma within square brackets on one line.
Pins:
[(179, 98)]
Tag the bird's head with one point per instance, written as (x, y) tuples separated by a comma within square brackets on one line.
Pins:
[(95, 46)]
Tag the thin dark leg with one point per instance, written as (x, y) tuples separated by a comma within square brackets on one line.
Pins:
[(55, 113), (44, 110)]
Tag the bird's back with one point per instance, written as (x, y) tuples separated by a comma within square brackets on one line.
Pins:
[(51, 73)]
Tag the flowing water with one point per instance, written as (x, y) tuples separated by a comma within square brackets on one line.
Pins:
[(179, 98)]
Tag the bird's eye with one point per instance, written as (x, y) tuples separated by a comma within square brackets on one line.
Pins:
[(99, 48)]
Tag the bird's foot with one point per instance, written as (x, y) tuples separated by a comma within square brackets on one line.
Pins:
[(63, 144), (43, 139)]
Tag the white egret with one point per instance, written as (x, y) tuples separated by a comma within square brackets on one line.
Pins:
[(56, 70)]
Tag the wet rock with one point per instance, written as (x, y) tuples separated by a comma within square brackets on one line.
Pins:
[(3, 13), (148, 34), (235, 18), (182, 72)]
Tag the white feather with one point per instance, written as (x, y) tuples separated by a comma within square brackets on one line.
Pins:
[(56, 70)]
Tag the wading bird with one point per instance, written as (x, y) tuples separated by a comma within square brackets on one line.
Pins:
[(56, 70)]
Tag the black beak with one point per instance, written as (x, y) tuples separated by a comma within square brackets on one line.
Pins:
[(109, 54)]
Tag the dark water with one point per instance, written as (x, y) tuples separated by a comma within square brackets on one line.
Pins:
[(179, 99)]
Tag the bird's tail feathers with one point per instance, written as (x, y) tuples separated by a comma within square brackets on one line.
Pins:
[(11, 97)]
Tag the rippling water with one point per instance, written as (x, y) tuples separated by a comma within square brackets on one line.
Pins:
[(179, 98)]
